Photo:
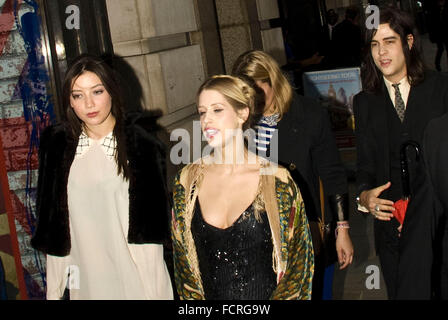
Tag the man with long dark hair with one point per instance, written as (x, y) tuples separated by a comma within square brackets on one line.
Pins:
[(398, 99)]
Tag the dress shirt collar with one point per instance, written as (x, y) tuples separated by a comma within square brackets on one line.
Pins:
[(404, 87), (108, 144)]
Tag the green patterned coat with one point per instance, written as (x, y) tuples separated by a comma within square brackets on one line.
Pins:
[(293, 257)]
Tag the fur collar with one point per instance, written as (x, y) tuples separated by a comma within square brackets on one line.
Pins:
[(148, 197)]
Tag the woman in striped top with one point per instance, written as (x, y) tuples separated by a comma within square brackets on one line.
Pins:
[(298, 129)]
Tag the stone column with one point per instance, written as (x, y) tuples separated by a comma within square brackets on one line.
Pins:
[(244, 25), (272, 38), (153, 37)]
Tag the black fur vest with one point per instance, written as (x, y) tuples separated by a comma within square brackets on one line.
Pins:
[(148, 197)]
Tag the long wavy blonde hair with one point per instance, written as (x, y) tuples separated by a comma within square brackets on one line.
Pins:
[(260, 66)]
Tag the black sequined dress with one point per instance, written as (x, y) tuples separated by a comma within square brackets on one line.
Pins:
[(236, 262)]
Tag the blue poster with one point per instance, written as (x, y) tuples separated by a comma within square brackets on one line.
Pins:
[(335, 90)]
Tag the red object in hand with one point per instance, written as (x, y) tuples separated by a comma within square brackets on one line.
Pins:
[(400, 210)]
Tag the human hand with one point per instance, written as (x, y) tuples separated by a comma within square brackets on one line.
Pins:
[(316, 58), (379, 208), (344, 248)]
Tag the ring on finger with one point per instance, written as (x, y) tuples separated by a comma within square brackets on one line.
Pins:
[(377, 207)]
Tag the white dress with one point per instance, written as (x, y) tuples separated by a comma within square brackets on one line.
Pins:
[(102, 264)]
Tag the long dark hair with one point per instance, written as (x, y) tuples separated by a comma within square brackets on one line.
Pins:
[(98, 66), (400, 22)]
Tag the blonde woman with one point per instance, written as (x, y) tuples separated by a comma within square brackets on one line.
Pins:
[(306, 146), (239, 227)]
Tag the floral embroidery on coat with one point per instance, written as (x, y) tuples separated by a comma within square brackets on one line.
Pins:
[(294, 282)]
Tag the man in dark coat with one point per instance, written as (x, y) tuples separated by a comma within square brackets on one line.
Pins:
[(326, 42), (438, 29), (435, 147), (347, 40), (426, 221), (398, 100)]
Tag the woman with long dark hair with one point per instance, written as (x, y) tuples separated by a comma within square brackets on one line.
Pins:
[(102, 203)]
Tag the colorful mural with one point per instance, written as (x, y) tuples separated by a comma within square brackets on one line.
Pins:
[(25, 110)]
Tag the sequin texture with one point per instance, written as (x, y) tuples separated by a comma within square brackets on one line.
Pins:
[(236, 262)]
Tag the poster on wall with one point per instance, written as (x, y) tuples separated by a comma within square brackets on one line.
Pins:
[(26, 109), (335, 90), (12, 283)]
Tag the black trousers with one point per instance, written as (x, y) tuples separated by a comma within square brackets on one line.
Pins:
[(389, 259), (387, 247)]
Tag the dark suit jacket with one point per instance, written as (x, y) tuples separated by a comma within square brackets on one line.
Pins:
[(435, 144), (426, 101), (307, 144), (426, 228)]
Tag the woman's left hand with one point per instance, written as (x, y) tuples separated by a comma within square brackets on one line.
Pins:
[(344, 248)]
